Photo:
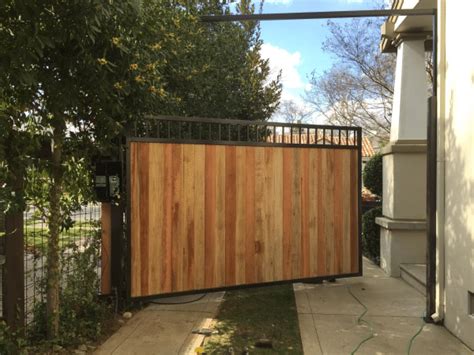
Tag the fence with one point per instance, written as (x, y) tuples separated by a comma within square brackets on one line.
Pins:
[(235, 132), (84, 224), (216, 204)]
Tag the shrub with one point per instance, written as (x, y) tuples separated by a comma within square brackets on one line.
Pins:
[(372, 175), (371, 235), (10, 342), (82, 314)]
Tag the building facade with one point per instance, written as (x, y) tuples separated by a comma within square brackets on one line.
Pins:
[(403, 227)]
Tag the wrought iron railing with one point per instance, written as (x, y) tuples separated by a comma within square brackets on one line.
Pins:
[(230, 131)]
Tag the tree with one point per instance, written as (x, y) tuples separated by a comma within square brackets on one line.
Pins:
[(292, 112), (232, 80), (74, 76), (55, 78), (358, 88)]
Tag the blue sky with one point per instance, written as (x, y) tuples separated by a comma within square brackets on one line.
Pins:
[(295, 47)]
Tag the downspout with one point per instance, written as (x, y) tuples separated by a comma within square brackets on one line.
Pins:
[(432, 189), (436, 177), (438, 316)]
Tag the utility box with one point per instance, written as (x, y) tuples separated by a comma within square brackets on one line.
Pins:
[(107, 184)]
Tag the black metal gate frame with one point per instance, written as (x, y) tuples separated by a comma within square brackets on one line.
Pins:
[(431, 178), (210, 131)]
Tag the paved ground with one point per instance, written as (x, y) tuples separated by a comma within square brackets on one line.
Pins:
[(328, 317), (164, 329)]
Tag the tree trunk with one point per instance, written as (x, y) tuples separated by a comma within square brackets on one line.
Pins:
[(53, 277)]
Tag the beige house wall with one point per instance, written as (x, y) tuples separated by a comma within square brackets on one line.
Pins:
[(456, 107)]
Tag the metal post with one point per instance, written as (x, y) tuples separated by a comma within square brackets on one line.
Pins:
[(431, 211), (13, 282), (431, 183), (435, 55)]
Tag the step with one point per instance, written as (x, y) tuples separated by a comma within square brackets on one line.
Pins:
[(415, 276)]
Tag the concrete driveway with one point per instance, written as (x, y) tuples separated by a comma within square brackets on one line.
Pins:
[(164, 329), (328, 317), (329, 320)]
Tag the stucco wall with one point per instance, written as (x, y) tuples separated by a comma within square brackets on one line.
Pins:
[(457, 110)]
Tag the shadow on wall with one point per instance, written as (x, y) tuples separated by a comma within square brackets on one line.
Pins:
[(459, 222)]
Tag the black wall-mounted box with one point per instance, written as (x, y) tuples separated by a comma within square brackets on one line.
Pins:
[(107, 184)]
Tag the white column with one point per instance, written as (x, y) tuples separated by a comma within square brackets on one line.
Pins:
[(409, 113), (403, 225)]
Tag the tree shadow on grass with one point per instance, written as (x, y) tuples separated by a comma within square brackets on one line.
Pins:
[(252, 315)]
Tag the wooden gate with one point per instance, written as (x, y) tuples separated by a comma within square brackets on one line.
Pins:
[(216, 204)]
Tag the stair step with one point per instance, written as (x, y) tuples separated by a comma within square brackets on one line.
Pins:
[(415, 276)]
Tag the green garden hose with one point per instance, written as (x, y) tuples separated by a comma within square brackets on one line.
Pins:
[(412, 339), (360, 321)]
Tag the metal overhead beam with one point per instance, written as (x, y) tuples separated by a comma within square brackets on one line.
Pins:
[(318, 15)]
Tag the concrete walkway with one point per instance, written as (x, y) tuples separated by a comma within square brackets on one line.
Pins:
[(164, 329), (328, 317)]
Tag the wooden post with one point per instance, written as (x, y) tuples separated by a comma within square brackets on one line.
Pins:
[(105, 284), (116, 256), (112, 249), (14, 272)]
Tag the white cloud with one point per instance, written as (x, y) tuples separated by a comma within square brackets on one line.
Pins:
[(287, 62), (287, 95), (293, 85)]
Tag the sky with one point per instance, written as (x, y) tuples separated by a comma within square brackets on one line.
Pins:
[(295, 47)]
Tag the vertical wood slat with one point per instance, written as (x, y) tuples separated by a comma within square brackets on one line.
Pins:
[(210, 216), (230, 215), (338, 213), (305, 249), (346, 207), (187, 249), (166, 237), (250, 217), (260, 245), (287, 211), (106, 247), (219, 270), (221, 216), (143, 169), (240, 218), (156, 188), (177, 213), (277, 194), (354, 230), (329, 211), (135, 243), (199, 216)]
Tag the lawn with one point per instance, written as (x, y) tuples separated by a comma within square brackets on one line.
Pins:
[(259, 315), (36, 234)]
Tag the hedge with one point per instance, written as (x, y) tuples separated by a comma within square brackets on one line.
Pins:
[(373, 175), (371, 235)]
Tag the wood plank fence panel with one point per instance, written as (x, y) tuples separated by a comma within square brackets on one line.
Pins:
[(212, 216)]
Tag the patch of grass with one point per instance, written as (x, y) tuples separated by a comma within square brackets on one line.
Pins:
[(247, 316), (36, 235)]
